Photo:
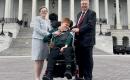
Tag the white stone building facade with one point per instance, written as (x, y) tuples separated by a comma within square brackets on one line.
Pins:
[(111, 10)]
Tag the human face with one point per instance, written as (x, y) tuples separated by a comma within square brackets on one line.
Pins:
[(84, 5), (65, 24), (43, 12)]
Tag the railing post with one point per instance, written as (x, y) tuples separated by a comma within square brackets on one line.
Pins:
[(2, 32)]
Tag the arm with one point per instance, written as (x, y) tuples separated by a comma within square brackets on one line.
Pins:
[(62, 49), (37, 27), (68, 42), (48, 37), (69, 39)]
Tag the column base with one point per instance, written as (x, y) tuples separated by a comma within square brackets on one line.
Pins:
[(119, 26), (128, 26)]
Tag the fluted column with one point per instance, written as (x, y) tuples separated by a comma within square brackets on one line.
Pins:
[(59, 10), (12, 9), (47, 4), (118, 25), (34, 8), (20, 11), (106, 10), (128, 8), (7, 8), (96, 3), (72, 10)]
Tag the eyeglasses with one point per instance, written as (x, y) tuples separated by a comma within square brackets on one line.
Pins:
[(44, 11)]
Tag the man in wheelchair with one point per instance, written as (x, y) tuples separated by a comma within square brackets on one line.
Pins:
[(60, 44)]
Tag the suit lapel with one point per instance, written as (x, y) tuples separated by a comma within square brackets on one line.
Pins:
[(85, 16), (78, 17)]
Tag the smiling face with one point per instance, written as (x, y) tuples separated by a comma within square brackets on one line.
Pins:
[(65, 23), (84, 5), (43, 11)]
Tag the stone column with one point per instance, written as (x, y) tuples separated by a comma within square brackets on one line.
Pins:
[(34, 8), (59, 10), (12, 9), (47, 4), (72, 10), (20, 11), (106, 10), (7, 9), (128, 8), (96, 3), (118, 15)]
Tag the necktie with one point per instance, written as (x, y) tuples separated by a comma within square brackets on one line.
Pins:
[(80, 19)]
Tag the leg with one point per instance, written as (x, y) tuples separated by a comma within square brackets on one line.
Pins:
[(68, 60), (88, 62), (68, 55), (79, 59), (38, 65), (51, 61)]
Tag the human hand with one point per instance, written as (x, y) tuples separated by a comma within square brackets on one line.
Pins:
[(62, 49), (75, 29), (57, 33)]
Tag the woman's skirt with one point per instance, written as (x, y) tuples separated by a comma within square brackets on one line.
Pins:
[(40, 49)]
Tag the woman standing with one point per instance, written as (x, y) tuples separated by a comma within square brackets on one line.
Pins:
[(40, 50)]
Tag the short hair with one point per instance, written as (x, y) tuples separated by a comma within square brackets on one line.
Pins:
[(53, 17), (66, 20), (42, 8)]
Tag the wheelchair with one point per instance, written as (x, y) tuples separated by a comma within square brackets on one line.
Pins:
[(60, 68)]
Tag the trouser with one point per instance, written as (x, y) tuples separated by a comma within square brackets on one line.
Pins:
[(54, 54), (84, 60)]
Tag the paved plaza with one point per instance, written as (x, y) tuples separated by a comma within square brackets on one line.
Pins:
[(106, 67)]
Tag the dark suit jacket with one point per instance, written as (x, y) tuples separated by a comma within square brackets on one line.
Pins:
[(87, 29)]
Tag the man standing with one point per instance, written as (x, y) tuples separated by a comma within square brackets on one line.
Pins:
[(85, 40)]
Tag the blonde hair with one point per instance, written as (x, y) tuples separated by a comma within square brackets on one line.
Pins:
[(66, 20), (42, 8)]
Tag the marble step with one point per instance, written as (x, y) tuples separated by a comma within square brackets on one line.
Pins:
[(21, 43), (16, 52)]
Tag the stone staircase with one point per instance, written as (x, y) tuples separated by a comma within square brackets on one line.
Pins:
[(21, 46), (4, 42), (104, 43), (97, 51), (104, 28)]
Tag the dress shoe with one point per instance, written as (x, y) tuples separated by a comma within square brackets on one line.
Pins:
[(79, 79), (46, 78), (68, 75)]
